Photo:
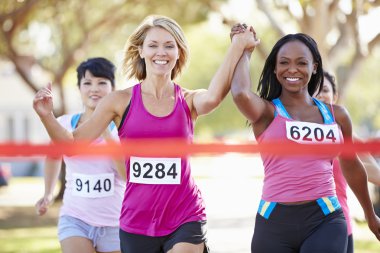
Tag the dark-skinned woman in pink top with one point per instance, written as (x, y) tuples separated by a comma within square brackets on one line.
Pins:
[(299, 210)]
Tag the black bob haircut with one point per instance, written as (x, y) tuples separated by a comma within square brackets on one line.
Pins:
[(99, 67)]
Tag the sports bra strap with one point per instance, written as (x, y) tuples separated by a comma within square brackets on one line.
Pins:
[(75, 119), (326, 113), (280, 109)]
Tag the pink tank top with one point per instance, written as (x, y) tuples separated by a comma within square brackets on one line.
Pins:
[(341, 192), (161, 194), (295, 178), (94, 189)]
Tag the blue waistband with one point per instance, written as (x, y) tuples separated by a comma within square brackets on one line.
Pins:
[(327, 204), (266, 208)]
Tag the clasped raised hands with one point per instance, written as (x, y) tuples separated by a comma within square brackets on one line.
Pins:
[(245, 35)]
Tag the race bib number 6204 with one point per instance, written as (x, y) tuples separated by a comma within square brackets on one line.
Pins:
[(145, 170), (307, 132)]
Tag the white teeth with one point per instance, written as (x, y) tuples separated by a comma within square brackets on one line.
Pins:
[(160, 62), (292, 79)]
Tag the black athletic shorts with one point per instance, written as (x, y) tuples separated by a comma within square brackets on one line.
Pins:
[(191, 232), (314, 227)]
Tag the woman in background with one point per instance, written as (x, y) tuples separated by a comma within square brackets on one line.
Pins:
[(89, 217), (329, 95)]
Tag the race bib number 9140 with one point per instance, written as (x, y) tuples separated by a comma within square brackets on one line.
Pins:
[(146, 170), (93, 186), (307, 132)]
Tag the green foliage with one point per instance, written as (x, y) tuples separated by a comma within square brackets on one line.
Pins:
[(53, 35), (208, 47), (57, 35), (72, 22), (362, 99), (364, 246)]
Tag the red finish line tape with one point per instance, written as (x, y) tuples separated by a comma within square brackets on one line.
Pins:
[(175, 147)]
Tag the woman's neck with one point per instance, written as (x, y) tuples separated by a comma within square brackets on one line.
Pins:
[(86, 114), (157, 87), (296, 99)]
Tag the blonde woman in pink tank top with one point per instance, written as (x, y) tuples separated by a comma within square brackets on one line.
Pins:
[(155, 54)]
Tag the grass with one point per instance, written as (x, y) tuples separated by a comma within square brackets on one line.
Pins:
[(29, 240), (44, 240), (362, 246)]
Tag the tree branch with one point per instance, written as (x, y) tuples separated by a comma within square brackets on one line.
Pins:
[(373, 43), (19, 11), (264, 8)]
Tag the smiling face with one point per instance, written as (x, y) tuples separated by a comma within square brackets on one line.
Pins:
[(93, 88), (160, 52), (294, 66)]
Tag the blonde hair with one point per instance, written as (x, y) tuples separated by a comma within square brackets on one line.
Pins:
[(133, 66)]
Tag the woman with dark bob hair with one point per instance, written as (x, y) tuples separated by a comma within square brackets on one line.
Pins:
[(88, 218)]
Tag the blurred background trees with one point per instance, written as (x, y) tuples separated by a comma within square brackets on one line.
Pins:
[(53, 36), (49, 38), (348, 37)]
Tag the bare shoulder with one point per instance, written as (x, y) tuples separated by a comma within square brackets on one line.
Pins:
[(121, 99), (342, 117), (187, 92), (123, 94), (189, 95), (341, 114)]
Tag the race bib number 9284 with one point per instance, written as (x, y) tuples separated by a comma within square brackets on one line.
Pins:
[(146, 170)]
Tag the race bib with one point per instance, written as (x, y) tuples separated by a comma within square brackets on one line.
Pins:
[(307, 132), (146, 170), (93, 186)]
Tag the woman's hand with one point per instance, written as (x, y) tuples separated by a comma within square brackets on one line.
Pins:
[(43, 101), (237, 28), (245, 35), (43, 204)]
